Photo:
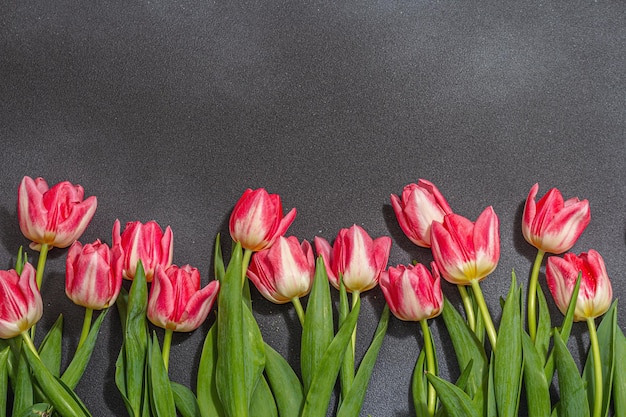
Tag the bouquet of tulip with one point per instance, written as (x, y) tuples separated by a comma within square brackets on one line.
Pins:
[(240, 375)]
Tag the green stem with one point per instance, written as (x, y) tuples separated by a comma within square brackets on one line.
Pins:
[(167, 342), (86, 326), (532, 296), (245, 261), (482, 306), (355, 298), (299, 310), (469, 308), (430, 366), (41, 263), (597, 368)]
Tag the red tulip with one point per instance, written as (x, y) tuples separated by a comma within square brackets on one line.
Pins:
[(54, 216), (145, 242), (466, 251), (20, 301), (176, 301), (257, 219), (595, 293), (421, 204), (553, 225), (93, 274), (412, 292), (284, 271), (355, 256)]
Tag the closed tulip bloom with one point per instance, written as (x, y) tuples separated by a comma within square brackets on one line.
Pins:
[(176, 301), (412, 292), (553, 225), (466, 251), (93, 274), (595, 293), (284, 271), (421, 204), (257, 219), (355, 256), (54, 216), (20, 301), (146, 242)]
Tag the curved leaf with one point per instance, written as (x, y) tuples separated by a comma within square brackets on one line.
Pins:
[(284, 384)]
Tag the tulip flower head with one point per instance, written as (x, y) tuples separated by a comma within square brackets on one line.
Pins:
[(466, 251), (595, 293), (93, 274), (412, 292), (421, 204), (146, 242), (257, 219), (176, 301), (54, 216), (20, 301), (356, 257), (553, 225)]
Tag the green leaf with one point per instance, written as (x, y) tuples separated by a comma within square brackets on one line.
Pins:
[(120, 379), (317, 332), (456, 402), (544, 326), (606, 339), (537, 387), (254, 353), (37, 410), (419, 387), (619, 376), (508, 354), (162, 399), (208, 398), (22, 385), (262, 403), (186, 402), (4, 379), (284, 384), (490, 404), (218, 263), (318, 396), (346, 373), (573, 398), (50, 348), (352, 403)]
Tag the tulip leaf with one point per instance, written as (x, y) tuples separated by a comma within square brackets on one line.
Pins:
[(467, 347), (4, 379), (218, 260), (231, 366), (352, 403), (208, 399), (22, 385), (619, 376), (185, 400), (606, 340), (419, 386), (50, 348), (284, 384), (573, 398), (544, 326), (455, 401), (490, 405), (318, 396), (317, 332), (262, 403), (162, 398), (537, 387), (36, 410), (346, 373), (254, 353), (508, 354), (120, 379)]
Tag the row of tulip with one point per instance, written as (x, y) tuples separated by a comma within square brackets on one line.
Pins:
[(240, 375)]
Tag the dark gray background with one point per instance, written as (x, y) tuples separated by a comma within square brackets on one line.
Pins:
[(169, 110)]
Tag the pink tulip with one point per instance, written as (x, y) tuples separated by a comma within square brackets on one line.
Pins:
[(412, 292), (257, 219), (595, 293), (145, 242), (466, 251), (93, 274), (20, 301), (421, 204), (356, 257), (284, 271), (176, 301), (54, 216), (553, 225)]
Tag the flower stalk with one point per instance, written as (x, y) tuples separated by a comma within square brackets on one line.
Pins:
[(532, 296)]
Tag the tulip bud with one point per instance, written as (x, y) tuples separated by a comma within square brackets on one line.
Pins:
[(466, 251), (284, 271), (257, 219), (54, 216), (145, 242), (176, 301), (421, 205), (553, 225), (412, 292), (20, 301), (355, 256), (595, 292), (93, 274)]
